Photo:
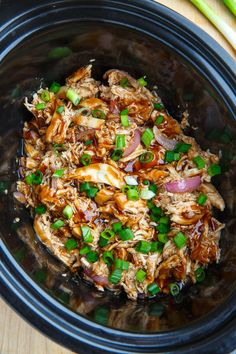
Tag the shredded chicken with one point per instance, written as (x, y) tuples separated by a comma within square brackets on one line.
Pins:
[(102, 185)]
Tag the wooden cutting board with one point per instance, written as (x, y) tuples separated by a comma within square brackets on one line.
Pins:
[(17, 336)]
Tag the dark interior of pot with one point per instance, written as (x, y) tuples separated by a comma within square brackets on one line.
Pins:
[(35, 63)]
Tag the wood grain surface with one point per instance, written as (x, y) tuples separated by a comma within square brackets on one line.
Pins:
[(17, 336)]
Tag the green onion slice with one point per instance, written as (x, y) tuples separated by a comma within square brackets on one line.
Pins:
[(108, 257), (163, 238), (117, 226), (45, 95), (68, 212), (107, 234), (146, 157), (115, 276), (158, 106), (92, 256), (159, 119), (180, 240), (73, 96), (60, 109), (116, 155), (214, 170), (126, 234), (182, 147), (120, 141), (91, 193), (86, 159), (124, 82), (58, 224), (199, 161), (143, 247), (40, 209), (86, 233), (34, 178), (58, 173), (174, 289), (71, 244), (55, 87), (132, 194), (140, 275), (147, 137), (202, 198), (40, 106), (142, 82), (88, 142), (153, 289), (200, 274), (121, 264), (84, 250), (98, 113), (124, 121)]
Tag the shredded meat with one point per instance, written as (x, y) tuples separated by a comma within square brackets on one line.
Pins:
[(96, 180)]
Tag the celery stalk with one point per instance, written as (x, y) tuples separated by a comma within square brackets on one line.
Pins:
[(220, 24), (231, 4)]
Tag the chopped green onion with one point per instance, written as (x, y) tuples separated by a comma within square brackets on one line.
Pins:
[(88, 142), (103, 241), (231, 4), (68, 212), (126, 234), (150, 204), (59, 52), (146, 157), (124, 82), (92, 192), (202, 198), (34, 178), (116, 155), (40, 106), (171, 156), (159, 119), (153, 289), (182, 147), (146, 182), (140, 275), (157, 246), (115, 276), (143, 247), (60, 109), (120, 141), (180, 240), (101, 315), (163, 228), (92, 256), (124, 120), (117, 226), (85, 159), (108, 257), (107, 233), (174, 289), (147, 137), (132, 194), (217, 21), (73, 96), (157, 211), (199, 161), (158, 106), (126, 188), (71, 244), (58, 224), (84, 186), (45, 95), (84, 250), (214, 170), (40, 209), (146, 194), (164, 220), (121, 264), (142, 81), (58, 173), (153, 188), (97, 113), (55, 87), (154, 218), (86, 233), (58, 147), (200, 274), (162, 238)]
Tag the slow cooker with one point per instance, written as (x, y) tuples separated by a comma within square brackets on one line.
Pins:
[(192, 73)]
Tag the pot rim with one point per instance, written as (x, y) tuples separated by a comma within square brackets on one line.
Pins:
[(23, 293)]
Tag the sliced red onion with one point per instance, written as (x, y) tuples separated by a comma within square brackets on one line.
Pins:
[(20, 197), (184, 185), (54, 183), (113, 108), (167, 143), (97, 278), (133, 144), (130, 166)]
